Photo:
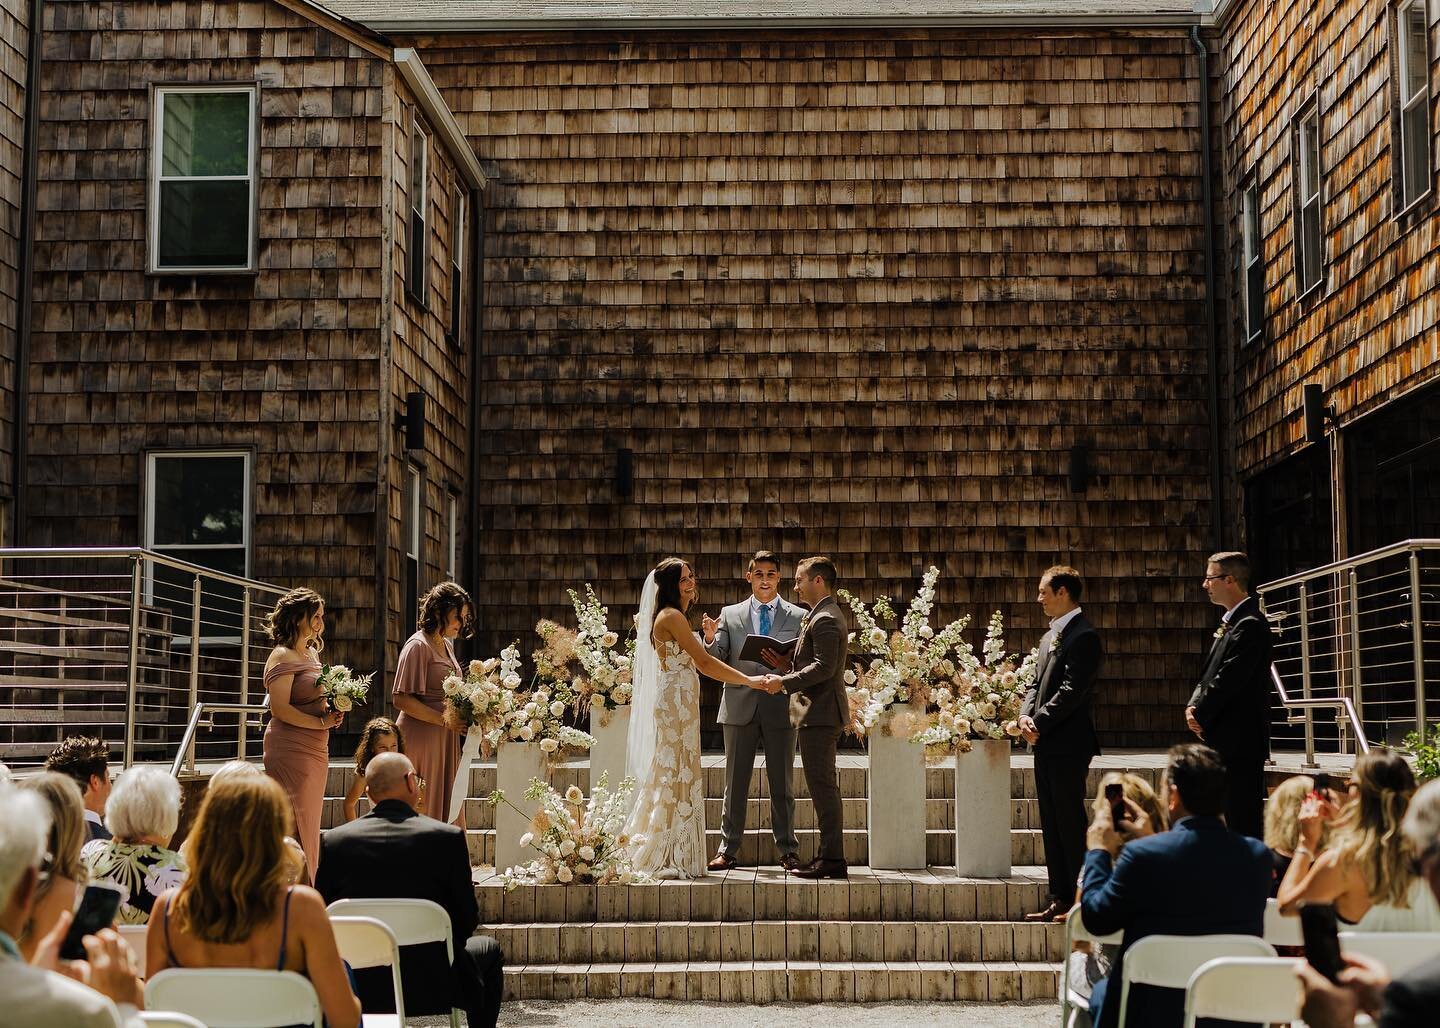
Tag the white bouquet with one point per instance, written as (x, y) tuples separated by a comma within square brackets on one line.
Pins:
[(483, 697), (342, 687)]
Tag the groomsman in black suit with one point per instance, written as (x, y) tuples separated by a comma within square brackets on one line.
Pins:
[(1055, 721), (1230, 708)]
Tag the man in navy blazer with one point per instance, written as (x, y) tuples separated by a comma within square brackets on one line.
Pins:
[(1199, 878), (1055, 720)]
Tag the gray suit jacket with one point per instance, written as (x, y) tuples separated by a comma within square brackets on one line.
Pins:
[(740, 704)]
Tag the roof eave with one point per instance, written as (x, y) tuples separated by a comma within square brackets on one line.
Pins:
[(442, 119)]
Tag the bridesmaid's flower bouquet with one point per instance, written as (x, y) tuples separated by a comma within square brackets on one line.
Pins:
[(588, 667), (580, 841), (907, 665), (342, 687), (484, 697), (982, 699)]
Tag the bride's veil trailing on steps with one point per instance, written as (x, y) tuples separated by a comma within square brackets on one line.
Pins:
[(645, 682)]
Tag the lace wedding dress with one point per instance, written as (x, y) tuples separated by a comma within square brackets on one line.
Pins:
[(664, 759)]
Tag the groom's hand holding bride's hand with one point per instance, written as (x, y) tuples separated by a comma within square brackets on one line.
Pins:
[(766, 683)]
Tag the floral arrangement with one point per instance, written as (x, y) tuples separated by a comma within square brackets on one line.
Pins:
[(908, 665), (342, 687), (484, 698), (538, 717), (580, 841), (585, 668), (982, 700)]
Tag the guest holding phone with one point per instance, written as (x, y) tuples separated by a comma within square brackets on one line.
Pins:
[(143, 811)]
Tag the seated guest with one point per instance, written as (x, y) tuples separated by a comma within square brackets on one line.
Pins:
[(87, 760), (1411, 1000), (235, 908), (1198, 878), (143, 812), (1282, 823), (63, 873), (98, 992), (379, 736), (1365, 871), (393, 852)]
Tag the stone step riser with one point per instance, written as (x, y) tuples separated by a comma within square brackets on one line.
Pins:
[(825, 941), (747, 896), (776, 982)]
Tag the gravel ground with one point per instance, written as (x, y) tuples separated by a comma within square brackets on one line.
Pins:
[(637, 1013)]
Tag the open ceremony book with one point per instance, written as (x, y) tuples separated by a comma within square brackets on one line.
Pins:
[(754, 644)]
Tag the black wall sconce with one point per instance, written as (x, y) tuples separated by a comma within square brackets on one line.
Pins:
[(413, 421), (1318, 414), (1078, 469)]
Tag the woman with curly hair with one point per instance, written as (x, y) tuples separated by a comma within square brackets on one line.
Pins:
[(426, 660), (297, 739), (380, 735), (1365, 870)]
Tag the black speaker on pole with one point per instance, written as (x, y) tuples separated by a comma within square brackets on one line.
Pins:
[(624, 472), (1313, 394)]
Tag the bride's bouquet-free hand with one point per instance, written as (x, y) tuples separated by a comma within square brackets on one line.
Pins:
[(983, 699), (580, 841), (906, 666), (483, 697), (587, 667), (342, 687)]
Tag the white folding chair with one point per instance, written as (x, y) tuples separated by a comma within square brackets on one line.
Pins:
[(1281, 929), (234, 997), (1254, 989), (1075, 931), (367, 942), (414, 922), (1169, 960), (134, 936), (168, 1019), (1398, 951)]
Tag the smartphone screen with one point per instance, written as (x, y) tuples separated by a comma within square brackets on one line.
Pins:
[(1322, 938), (1322, 783), (1115, 796), (97, 911)]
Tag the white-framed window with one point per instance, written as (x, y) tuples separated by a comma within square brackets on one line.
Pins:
[(416, 266), (203, 179), (458, 235), (198, 509), (1412, 52), (452, 535), (412, 530), (1309, 253), (1253, 272)]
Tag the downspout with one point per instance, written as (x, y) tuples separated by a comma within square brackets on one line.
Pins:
[(29, 161), (1212, 330), (477, 283)]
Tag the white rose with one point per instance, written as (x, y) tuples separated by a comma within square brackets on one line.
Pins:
[(535, 725), (552, 851), (621, 693), (987, 711), (477, 668), (549, 745), (596, 700), (609, 639), (877, 636), (526, 733), (586, 853), (849, 677), (926, 632), (341, 703), (582, 869), (622, 661), (511, 681), (565, 875), (529, 709), (1012, 729), (574, 795), (980, 727), (527, 838), (557, 708), (567, 847)]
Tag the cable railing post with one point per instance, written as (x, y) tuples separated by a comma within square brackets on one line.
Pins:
[(244, 670), (132, 681), (1305, 674), (1355, 676), (1417, 639), (195, 593)]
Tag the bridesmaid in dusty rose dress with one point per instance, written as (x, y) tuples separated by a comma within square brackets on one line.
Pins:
[(427, 658), (297, 739)]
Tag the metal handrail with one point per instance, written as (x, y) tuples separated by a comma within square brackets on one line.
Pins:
[(1341, 705), (200, 710), (139, 552), (1349, 563)]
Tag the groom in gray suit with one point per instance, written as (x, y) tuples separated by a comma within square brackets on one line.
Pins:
[(751, 718)]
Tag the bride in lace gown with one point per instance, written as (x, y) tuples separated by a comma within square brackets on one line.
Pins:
[(667, 826)]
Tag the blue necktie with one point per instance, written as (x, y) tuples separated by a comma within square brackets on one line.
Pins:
[(764, 619)]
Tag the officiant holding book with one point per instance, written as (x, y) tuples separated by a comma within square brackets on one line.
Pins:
[(751, 718)]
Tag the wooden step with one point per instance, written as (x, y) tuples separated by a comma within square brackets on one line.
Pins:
[(778, 981)]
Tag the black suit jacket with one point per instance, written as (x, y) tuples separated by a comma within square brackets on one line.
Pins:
[(1232, 701), (1412, 999), (1059, 701), (393, 852)]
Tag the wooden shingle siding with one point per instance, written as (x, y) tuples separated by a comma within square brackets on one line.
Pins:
[(1370, 333), (14, 41), (285, 362), (850, 293)]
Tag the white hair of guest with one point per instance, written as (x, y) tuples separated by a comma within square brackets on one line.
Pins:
[(24, 832), (1421, 826), (145, 801), (5, 775), (234, 769)]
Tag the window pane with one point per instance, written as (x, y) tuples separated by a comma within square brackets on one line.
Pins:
[(1252, 223), (206, 134), (417, 172), (204, 224), (1309, 157), (1310, 230), (199, 500), (1415, 139), (1415, 67), (1254, 297), (417, 262)]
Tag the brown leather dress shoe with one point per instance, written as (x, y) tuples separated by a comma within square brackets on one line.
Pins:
[(824, 869), (1050, 913), (723, 861), (790, 861)]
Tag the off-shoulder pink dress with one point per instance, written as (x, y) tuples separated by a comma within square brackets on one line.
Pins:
[(435, 751), (299, 758)]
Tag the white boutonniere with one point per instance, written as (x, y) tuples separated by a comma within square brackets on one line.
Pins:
[(1220, 632), (1054, 643)]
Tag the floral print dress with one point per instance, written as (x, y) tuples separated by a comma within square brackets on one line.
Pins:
[(143, 873)]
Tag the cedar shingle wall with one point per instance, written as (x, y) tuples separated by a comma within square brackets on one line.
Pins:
[(855, 294), (14, 39), (285, 361), (1370, 332)]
